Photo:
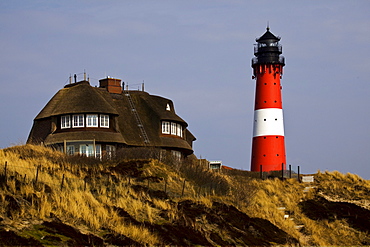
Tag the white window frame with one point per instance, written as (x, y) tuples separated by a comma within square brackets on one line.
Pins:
[(104, 121), (165, 127), (92, 120), (98, 151), (83, 149), (179, 130), (173, 128), (78, 121), (65, 122), (88, 150)]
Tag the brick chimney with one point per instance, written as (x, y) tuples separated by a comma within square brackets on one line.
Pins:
[(111, 84)]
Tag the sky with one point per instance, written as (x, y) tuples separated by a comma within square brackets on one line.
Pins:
[(198, 54)]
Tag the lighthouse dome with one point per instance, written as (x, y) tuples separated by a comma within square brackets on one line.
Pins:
[(268, 37)]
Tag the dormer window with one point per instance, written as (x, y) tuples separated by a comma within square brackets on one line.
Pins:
[(165, 127), (92, 120), (78, 121), (179, 130), (84, 120), (172, 128), (65, 122), (168, 107), (104, 121)]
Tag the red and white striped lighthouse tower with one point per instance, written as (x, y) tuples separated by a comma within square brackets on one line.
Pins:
[(268, 146)]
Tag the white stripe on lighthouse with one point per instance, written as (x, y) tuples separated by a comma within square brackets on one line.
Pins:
[(268, 121)]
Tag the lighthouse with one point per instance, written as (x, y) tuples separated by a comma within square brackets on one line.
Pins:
[(268, 145)]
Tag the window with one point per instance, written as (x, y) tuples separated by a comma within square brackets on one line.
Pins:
[(71, 149), (168, 107), (88, 150), (110, 151), (179, 130), (176, 155), (165, 127), (98, 151), (173, 128), (83, 149), (65, 122), (104, 121), (91, 120), (78, 121)]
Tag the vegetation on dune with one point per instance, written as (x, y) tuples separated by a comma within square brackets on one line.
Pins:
[(48, 199)]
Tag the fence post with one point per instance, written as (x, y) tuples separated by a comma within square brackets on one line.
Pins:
[(290, 171), (299, 176), (61, 185), (37, 174), (260, 171), (5, 172), (165, 185), (183, 188), (282, 171)]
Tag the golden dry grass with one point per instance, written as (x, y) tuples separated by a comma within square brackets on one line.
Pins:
[(94, 203), (72, 203)]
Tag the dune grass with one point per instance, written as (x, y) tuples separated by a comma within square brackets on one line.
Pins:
[(90, 195)]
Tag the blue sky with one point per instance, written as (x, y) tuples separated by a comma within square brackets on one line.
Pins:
[(198, 53)]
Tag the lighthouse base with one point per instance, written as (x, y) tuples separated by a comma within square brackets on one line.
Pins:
[(268, 153)]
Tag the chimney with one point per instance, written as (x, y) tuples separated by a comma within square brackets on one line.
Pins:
[(111, 84)]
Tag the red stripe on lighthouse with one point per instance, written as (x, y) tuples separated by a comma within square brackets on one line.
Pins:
[(268, 151), (268, 87)]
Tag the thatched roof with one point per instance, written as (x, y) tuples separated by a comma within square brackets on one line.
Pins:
[(78, 98), (98, 136)]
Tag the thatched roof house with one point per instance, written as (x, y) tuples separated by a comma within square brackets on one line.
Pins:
[(98, 121)]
